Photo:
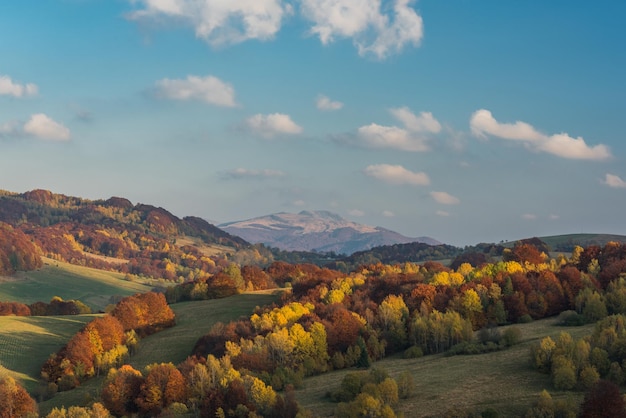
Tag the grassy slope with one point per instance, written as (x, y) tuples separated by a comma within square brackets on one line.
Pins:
[(91, 286), (501, 380), (193, 320), (27, 342)]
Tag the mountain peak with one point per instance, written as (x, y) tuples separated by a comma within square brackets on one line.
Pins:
[(319, 230)]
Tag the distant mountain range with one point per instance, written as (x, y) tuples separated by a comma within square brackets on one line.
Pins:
[(319, 231)]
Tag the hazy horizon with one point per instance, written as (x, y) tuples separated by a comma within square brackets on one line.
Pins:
[(459, 121)]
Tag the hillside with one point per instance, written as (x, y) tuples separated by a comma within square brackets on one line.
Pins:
[(114, 234), (319, 231)]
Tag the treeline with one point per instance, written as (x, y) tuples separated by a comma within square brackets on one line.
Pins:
[(57, 306), (107, 341), (17, 252)]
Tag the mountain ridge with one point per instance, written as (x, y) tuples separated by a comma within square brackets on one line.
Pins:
[(318, 231)]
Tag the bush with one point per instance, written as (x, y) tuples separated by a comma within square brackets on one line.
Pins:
[(511, 336), (525, 319), (571, 319), (413, 352)]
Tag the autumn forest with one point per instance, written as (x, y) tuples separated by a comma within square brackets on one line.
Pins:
[(331, 313)]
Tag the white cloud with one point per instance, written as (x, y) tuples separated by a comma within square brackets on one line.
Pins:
[(241, 173), (614, 181), (207, 89), (442, 213), (273, 124), (374, 30), (218, 22), (324, 103), (529, 216), (378, 136), (554, 217), (413, 137), (425, 122), (388, 214), (356, 212), (43, 127), (445, 198), (396, 174), (299, 202), (482, 124), (10, 88)]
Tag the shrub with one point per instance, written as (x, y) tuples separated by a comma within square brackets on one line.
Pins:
[(413, 352), (511, 336)]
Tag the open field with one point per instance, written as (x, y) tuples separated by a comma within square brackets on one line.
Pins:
[(501, 380), (27, 342), (91, 286), (193, 320)]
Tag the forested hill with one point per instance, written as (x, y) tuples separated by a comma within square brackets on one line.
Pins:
[(114, 234), (416, 252), (44, 208)]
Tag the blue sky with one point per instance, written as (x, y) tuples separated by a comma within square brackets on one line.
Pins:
[(464, 121)]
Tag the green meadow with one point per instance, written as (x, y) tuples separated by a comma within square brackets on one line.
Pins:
[(502, 380), (27, 342), (91, 286)]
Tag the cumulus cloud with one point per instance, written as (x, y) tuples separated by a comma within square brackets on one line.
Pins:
[(442, 213), (396, 174), (207, 89), (10, 88), (614, 181), (217, 22), (356, 212), (272, 125), (482, 124), (43, 127), (414, 136), (242, 173), (375, 31), (379, 136), (299, 202), (425, 122), (324, 103), (388, 214), (445, 198)]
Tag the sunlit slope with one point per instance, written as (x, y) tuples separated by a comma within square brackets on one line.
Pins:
[(91, 286)]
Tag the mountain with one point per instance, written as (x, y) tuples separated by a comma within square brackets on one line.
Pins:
[(319, 231)]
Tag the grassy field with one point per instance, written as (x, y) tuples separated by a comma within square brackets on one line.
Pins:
[(502, 380), (27, 342), (91, 286), (193, 320)]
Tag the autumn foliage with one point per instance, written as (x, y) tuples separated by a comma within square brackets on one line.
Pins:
[(106, 342)]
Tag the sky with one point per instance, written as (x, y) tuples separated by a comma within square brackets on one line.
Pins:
[(460, 120)]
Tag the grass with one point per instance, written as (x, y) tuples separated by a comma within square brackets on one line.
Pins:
[(27, 342), (91, 286), (193, 320), (500, 380)]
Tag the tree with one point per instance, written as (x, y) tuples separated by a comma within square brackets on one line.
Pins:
[(603, 401), (120, 389), (163, 385), (14, 400)]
